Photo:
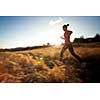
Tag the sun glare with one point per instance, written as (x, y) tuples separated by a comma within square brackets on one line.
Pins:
[(52, 36)]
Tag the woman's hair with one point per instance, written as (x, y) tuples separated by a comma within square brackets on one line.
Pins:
[(65, 26)]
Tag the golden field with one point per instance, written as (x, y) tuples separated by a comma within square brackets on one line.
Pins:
[(43, 66)]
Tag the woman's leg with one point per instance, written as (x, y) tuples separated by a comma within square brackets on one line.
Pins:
[(63, 50), (70, 47)]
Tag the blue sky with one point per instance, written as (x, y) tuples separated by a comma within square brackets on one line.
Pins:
[(30, 31)]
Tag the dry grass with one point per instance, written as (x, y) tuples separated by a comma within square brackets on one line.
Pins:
[(41, 65)]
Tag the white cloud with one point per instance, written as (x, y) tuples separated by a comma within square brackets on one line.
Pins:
[(54, 22)]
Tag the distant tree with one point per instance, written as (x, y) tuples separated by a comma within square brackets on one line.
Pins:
[(48, 44), (97, 35), (82, 37), (97, 38)]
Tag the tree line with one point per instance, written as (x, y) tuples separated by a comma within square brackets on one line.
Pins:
[(96, 38)]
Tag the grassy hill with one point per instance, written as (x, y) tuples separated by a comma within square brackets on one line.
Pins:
[(43, 65)]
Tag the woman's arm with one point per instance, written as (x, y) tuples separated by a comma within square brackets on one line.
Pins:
[(62, 37), (70, 32)]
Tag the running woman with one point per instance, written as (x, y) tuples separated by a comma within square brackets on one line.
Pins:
[(68, 44)]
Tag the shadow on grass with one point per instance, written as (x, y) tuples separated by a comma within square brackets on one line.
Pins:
[(91, 73)]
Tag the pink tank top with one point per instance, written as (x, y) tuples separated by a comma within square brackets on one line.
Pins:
[(67, 37)]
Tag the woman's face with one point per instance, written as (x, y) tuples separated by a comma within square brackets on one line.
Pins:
[(65, 29)]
